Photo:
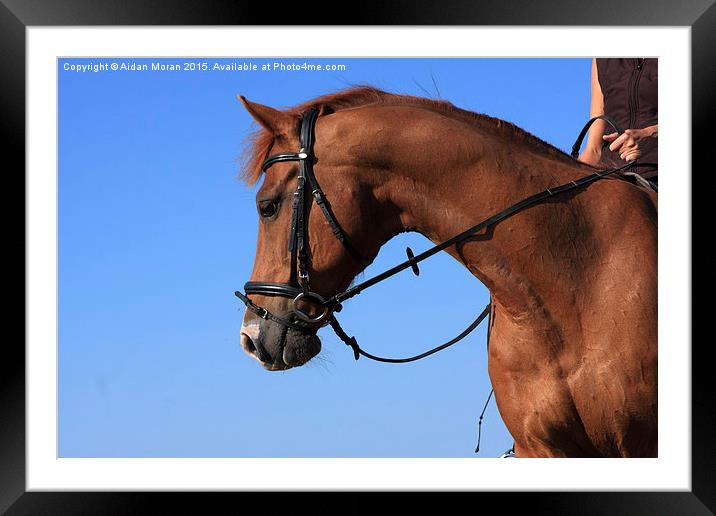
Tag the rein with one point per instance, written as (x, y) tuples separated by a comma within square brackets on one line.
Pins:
[(298, 287)]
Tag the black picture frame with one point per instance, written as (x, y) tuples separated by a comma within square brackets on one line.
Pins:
[(17, 15)]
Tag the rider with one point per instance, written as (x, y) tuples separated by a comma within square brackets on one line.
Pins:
[(626, 91)]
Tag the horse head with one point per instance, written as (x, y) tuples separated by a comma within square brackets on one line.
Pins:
[(311, 243)]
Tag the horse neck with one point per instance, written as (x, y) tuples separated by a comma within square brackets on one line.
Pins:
[(475, 176)]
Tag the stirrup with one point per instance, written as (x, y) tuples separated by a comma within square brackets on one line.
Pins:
[(509, 454)]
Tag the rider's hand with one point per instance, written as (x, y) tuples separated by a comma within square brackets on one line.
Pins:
[(628, 143)]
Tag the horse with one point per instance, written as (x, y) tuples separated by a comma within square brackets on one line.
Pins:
[(573, 279)]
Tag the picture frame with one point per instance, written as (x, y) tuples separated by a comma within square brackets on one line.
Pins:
[(16, 16)]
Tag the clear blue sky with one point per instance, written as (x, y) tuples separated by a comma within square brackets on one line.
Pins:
[(156, 233)]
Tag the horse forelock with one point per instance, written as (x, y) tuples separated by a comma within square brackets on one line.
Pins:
[(259, 143)]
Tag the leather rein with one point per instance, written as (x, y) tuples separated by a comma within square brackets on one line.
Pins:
[(298, 287)]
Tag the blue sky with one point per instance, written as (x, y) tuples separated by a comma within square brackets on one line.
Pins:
[(156, 233)]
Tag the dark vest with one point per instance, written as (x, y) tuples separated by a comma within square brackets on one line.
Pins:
[(630, 94)]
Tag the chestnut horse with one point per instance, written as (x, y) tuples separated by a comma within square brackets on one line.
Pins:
[(573, 279)]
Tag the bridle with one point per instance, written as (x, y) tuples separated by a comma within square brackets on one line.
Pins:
[(298, 287)]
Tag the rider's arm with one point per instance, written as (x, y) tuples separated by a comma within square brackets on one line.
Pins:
[(593, 149)]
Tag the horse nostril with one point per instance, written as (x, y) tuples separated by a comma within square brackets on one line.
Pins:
[(252, 349), (248, 344)]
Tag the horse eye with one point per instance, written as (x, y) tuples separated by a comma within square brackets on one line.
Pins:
[(268, 209)]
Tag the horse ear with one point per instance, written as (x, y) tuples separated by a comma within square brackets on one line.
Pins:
[(272, 119)]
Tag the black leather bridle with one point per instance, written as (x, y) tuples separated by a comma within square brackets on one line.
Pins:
[(298, 287)]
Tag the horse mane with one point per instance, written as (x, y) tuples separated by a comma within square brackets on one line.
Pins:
[(261, 141)]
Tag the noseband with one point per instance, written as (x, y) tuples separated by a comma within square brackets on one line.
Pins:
[(298, 287)]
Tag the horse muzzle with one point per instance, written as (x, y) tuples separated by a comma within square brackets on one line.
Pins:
[(277, 347)]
